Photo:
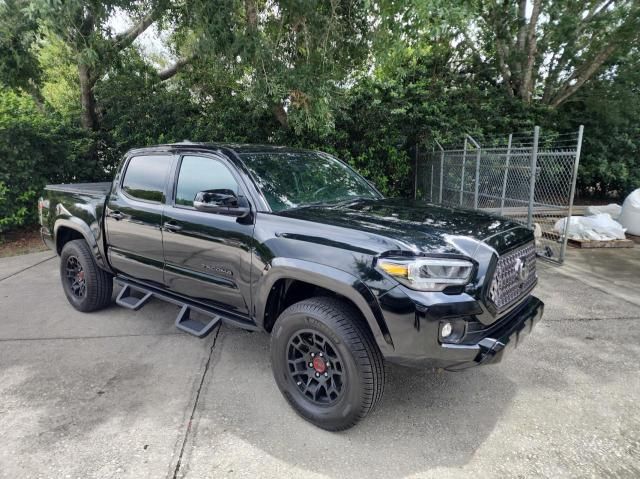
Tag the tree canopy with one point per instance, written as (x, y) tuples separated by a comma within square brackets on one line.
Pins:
[(365, 79)]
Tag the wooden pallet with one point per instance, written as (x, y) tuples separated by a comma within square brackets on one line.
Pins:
[(576, 243), (625, 243)]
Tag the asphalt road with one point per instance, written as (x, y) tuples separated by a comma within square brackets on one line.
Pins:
[(124, 394)]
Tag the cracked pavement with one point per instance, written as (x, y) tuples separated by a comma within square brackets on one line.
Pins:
[(122, 393)]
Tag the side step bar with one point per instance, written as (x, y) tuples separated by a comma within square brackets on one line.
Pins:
[(193, 326), (134, 296)]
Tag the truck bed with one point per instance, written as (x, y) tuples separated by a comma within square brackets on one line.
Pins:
[(92, 189), (77, 206)]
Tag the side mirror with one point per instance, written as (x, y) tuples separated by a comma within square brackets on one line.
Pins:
[(222, 202)]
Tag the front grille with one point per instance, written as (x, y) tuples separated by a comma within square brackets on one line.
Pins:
[(514, 276)]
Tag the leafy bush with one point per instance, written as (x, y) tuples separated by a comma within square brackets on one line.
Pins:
[(35, 150), (609, 108)]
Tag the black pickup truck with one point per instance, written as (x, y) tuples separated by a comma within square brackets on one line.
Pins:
[(297, 244)]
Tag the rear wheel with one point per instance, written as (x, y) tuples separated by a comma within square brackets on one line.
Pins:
[(87, 287), (326, 362)]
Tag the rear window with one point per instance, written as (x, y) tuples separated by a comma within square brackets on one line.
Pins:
[(146, 177)]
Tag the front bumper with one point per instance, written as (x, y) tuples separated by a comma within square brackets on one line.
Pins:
[(414, 330), (492, 348)]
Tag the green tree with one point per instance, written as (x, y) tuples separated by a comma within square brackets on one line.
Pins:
[(19, 67), (609, 107), (547, 50), (293, 58), (83, 27)]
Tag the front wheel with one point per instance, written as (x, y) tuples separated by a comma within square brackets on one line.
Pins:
[(87, 287), (326, 362)]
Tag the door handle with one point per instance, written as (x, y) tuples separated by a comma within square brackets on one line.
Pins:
[(168, 226), (116, 215)]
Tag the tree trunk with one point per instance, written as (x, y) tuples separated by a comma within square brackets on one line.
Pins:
[(88, 116), (527, 84), (581, 75), (251, 12), (281, 114), (34, 90), (171, 71)]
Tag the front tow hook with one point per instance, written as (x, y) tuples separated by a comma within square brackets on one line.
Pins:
[(489, 348)]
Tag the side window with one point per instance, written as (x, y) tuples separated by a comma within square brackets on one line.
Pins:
[(198, 173), (146, 177)]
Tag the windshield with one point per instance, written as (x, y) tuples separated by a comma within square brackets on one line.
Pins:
[(290, 180)]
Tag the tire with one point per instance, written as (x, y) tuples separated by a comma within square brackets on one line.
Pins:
[(90, 288), (353, 379)]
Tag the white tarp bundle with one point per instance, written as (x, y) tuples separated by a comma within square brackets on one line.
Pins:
[(613, 209), (630, 216), (600, 227)]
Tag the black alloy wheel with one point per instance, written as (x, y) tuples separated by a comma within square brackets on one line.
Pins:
[(326, 362), (75, 277), (85, 284), (315, 366)]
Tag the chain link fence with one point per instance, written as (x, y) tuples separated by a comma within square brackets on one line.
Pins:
[(529, 178)]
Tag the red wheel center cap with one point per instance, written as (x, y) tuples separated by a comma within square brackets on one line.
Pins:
[(319, 365), (80, 275)]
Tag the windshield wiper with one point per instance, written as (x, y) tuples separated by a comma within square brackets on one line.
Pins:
[(338, 202), (310, 203), (351, 199)]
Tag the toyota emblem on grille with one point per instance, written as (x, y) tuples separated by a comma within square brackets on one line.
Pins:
[(521, 268)]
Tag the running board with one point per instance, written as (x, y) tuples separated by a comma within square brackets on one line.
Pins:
[(186, 323), (133, 298)]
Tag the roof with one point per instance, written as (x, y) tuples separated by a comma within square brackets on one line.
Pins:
[(238, 148)]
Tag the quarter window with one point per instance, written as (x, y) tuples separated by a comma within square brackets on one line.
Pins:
[(198, 173), (146, 177)]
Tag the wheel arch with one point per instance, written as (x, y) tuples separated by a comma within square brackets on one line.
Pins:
[(69, 229), (64, 234), (286, 281)]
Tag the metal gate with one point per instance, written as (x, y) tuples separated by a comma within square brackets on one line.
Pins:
[(528, 178)]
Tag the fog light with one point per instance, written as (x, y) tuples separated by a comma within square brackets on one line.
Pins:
[(452, 331), (446, 330)]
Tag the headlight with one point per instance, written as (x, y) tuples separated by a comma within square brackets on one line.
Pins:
[(428, 274)]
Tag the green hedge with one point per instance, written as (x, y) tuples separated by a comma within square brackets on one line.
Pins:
[(36, 149)]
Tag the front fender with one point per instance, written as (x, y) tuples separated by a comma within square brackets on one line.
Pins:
[(331, 279)]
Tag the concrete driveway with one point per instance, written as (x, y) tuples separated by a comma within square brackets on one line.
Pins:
[(124, 394)]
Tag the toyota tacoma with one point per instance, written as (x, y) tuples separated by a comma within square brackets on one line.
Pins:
[(297, 244)]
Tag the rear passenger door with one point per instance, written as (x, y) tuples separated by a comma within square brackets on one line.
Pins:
[(133, 217), (207, 255)]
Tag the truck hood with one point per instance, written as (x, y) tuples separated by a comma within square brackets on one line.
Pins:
[(417, 226)]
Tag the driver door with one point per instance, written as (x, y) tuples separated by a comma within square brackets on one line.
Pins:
[(207, 254)]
